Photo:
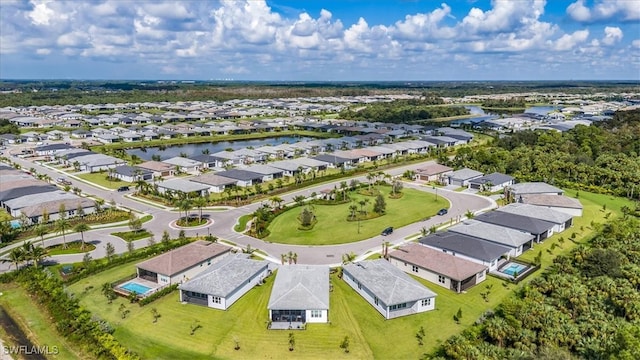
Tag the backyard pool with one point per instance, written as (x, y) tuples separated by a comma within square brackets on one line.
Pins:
[(513, 268), (135, 287)]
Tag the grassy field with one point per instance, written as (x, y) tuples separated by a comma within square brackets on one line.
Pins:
[(333, 227), (35, 324), (101, 179)]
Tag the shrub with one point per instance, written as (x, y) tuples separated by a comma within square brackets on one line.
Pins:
[(157, 295)]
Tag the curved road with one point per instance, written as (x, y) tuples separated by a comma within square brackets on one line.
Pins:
[(224, 220)]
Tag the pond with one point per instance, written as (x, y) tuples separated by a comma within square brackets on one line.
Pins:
[(197, 149)]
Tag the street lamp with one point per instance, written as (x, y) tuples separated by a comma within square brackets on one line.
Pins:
[(436, 189)]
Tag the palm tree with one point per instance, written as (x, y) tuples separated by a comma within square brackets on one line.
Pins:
[(99, 203), (81, 228), (37, 255), (283, 258), (186, 206), (200, 202), (276, 201), (46, 178), (15, 257), (343, 188), (62, 225), (41, 231)]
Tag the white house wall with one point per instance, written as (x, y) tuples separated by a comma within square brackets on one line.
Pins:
[(245, 287), (324, 317), (366, 294), (423, 273)]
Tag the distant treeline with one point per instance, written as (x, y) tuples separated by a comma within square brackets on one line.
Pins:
[(59, 92), (516, 102), (604, 157), (403, 111)]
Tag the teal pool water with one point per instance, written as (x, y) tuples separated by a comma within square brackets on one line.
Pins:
[(134, 286), (15, 224), (513, 268)]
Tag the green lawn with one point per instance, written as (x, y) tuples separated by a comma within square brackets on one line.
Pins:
[(4, 215), (37, 327), (101, 179), (333, 227), (72, 248), (132, 235)]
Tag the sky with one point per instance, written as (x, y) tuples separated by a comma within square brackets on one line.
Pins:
[(311, 40)]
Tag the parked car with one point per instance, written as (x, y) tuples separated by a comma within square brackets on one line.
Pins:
[(123, 188), (442, 212), (387, 231)]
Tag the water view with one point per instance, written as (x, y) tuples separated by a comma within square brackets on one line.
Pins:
[(197, 149)]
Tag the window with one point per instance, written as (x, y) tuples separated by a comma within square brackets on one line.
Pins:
[(398, 306), (441, 279), (316, 313), (375, 300), (359, 286), (426, 302), (196, 295), (216, 299), (414, 268)]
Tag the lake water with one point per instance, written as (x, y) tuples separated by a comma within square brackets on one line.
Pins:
[(196, 149), (482, 115)]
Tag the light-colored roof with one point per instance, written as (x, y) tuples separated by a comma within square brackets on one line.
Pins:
[(263, 169), (550, 200), (308, 162), (156, 166), (225, 276), (453, 267), (35, 199), (433, 169), (180, 161), (494, 233), (388, 283), (53, 206), (465, 174), (213, 180), (182, 185), (300, 287), (184, 257), (534, 188), (537, 212)]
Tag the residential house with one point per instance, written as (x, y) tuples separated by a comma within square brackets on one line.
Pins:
[(518, 241), (158, 168), (243, 178), (433, 172), (216, 183), (539, 228), (388, 289), (440, 268), (466, 247), (560, 203), (209, 161), (268, 172), (224, 282), (462, 177), (300, 295), (531, 188), (561, 219), (181, 264), (175, 186), (184, 165), (132, 173), (492, 182)]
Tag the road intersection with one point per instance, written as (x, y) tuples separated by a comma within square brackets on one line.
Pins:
[(225, 218)]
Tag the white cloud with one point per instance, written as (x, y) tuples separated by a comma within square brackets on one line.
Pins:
[(612, 35), (425, 26), (569, 41), (624, 10), (636, 43)]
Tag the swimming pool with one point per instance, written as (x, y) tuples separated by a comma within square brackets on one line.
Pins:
[(15, 224), (135, 287), (513, 268)]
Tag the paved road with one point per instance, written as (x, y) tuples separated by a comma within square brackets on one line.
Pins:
[(225, 219)]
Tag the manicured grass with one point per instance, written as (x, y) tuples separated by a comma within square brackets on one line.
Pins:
[(35, 324), (242, 223), (191, 222), (333, 227), (101, 179), (132, 235), (72, 248)]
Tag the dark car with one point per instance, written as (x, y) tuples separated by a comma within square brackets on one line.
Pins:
[(123, 188), (442, 212), (387, 231)]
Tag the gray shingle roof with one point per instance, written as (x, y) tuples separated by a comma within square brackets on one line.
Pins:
[(465, 174), (493, 178), (534, 188), (550, 200), (127, 170), (388, 283), (537, 212), (300, 287), (225, 276), (238, 174), (513, 221), (465, 245), (491, 232)]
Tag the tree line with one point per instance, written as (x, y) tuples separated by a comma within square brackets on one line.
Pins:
[(404, 111), (603, 157)]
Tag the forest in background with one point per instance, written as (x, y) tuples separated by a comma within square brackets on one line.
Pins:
[(61, 92), (602, 158)]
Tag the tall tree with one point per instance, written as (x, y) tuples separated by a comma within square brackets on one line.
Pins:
[(81, 228), (62, 225)]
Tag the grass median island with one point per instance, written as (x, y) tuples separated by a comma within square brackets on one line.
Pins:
[(74, 247), (333, 226), (132, 235)]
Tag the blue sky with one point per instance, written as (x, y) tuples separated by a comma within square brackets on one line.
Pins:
[(295, 40)]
